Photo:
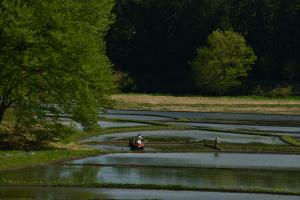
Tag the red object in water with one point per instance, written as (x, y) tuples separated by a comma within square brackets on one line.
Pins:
[(136, 144)]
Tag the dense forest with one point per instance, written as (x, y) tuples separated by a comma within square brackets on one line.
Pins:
[(152, 42)]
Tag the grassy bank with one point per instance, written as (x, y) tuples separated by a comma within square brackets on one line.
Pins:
[(290, 140), (227, 147), (18, 159), (245, 104), (208, 146), (156, 187)]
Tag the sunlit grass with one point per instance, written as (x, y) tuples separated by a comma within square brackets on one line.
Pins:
[(242, 189), (247, 104), (290, 140), (17, 159)]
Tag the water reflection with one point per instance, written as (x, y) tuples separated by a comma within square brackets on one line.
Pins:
[(197, 177), (107, 124), (103, 124), (222, 160), (116, 147)]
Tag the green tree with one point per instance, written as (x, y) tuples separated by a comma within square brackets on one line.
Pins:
[(221, 65), (53, 60)]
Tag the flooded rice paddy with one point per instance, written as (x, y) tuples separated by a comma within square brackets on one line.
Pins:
[(210, 160), (207, 115), (236, 171), (198, 178), (274, 129), (136, 117), (108, 124), (195, 135), (102, 124)]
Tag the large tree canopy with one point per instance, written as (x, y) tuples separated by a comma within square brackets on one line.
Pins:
[(52, 58), (221, 65)]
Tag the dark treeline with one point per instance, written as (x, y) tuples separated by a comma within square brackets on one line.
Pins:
[(153, 41)]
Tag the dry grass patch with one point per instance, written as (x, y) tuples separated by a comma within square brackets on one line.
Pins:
[(207, 104)]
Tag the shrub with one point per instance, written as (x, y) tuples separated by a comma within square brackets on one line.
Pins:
[(281, 91)]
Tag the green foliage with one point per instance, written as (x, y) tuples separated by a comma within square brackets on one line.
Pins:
[(220, 67), (284, 91), (18, 159), (124, 81), (53, 60), (275, 92), (290, 140), (258, 91)]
